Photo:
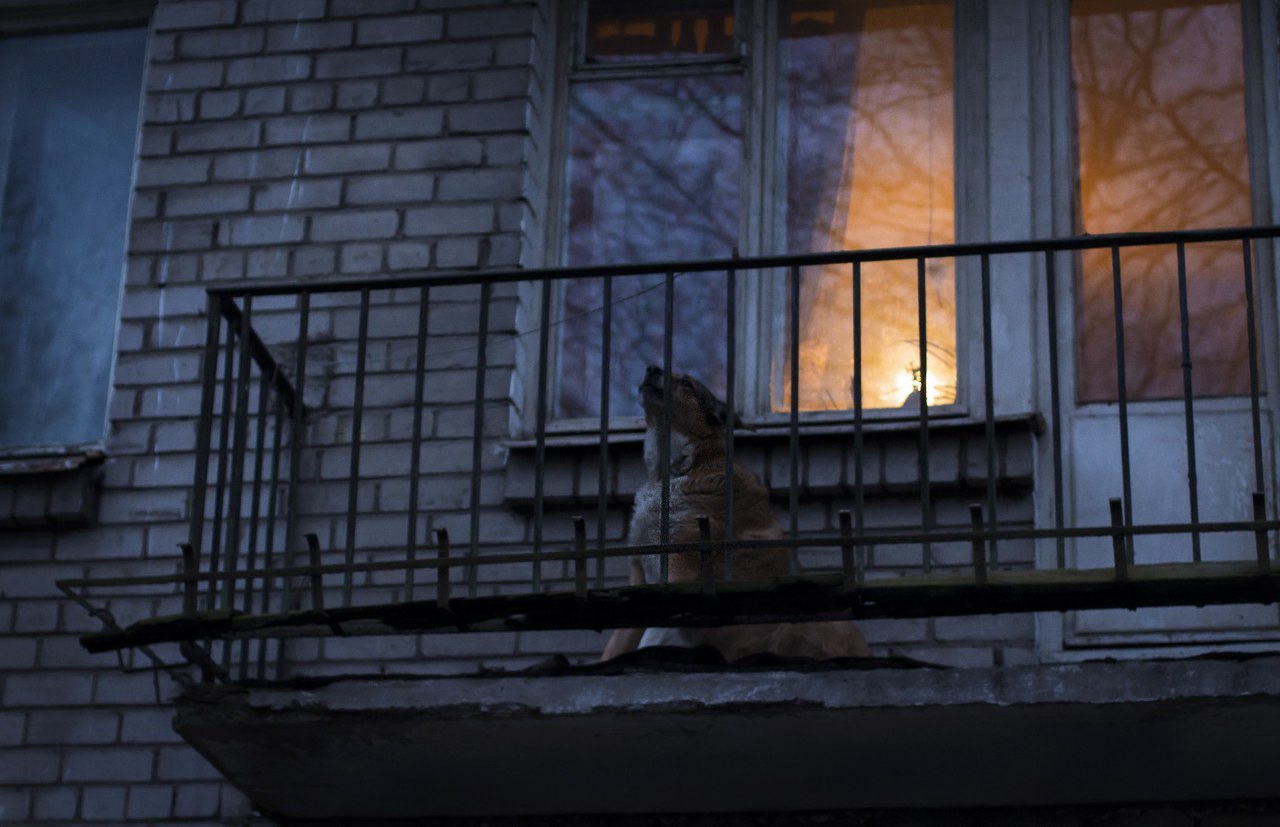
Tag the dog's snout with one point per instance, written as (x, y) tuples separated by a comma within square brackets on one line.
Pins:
[(653, 372)]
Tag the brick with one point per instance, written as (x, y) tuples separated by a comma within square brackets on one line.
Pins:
[(451, 220), (398, 91), (359, 64), (398, 647), (101, 764), (46, 689), (169, 236), (314, 261), (209, 137), (457, 252), (266, 100), (381, 31), (409, 255), (216, 105), (505, 251), (29, 766), (56, 803), (64, 652), (193, 15), (439, 154), (149, 801), (11, 726), (258, 11), (364, 8), (308, 129), (163, 47), (390, 189), (312, 97), (361, 258), (305, 37), (255, 230), (14, 806), (179, 76), (362, 94), (505, 21), (399, 123), (352, 226), (500, 116), (479, 185), (341, 159), (449, 57), (259, 165), (272, 69), (163, 172), (155, 142), (503, 150), (34, 616), (113, 687), (449, 88), (206, 201), (17, 653), (997, 628), (170, 108), (196, 801), (102, 803), (223, 43), (507, 83), (274, 261), (73, 726), (514, 52), (957, 656), (128, 507), (298, 194)]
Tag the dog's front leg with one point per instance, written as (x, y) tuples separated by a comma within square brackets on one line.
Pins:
[(626, 640)]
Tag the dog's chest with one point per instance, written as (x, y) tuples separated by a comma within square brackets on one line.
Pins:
[(646, 521)]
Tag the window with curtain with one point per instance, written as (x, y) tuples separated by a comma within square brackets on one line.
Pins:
[(1159, 93), (68, 128), (664, 104)]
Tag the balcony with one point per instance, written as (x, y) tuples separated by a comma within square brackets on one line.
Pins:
[(371, 463)]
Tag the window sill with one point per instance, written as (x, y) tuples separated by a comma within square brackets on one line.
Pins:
[(49, 488), (957, 460)]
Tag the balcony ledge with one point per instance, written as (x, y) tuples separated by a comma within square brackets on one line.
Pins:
[(724, 739)]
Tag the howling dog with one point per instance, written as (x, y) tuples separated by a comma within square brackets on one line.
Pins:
[(697, 479)]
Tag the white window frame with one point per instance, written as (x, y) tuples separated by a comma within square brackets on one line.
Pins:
[(761, 297)]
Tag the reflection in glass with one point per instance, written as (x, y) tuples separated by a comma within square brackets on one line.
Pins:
[(1160, 119), (869, 141), (68, 125), (653, 174), (621, 31)]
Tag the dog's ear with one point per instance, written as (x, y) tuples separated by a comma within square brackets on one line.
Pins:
[(718, 414)]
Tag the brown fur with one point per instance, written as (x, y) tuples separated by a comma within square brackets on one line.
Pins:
[(698, 420)]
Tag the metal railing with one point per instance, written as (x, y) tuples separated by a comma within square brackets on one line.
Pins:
[(372, 469)]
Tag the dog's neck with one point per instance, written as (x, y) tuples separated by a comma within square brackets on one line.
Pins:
[(682, 453)]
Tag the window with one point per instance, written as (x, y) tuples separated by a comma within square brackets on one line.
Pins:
[(1159, 93), (68, 128), (696, 129)]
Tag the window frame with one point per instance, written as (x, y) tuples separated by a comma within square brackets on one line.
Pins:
[(760, 301)]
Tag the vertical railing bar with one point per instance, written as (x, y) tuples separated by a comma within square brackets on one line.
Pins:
[(1119, 545), (415, 451), (477, 436), (847, 564), (268, 553), (357, 438), (224, 439), (255, 511), (540, 435), (1260, 534), (602, 481), (793, 485), (1259, 474), (859, 492), (295, 450), (989, 401), (204, 430), (731, 407), (706, 556), (1193, 490), (1055, 402), (442, 573), (315, 577), (926, 507), (238, 451), (580, 559), (664, 429), (979, 546), (1123, 395)]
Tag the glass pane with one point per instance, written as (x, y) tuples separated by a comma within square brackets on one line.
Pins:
[(869, 140), (621, 31), (1160, 118), (653, 174), (68, 126)]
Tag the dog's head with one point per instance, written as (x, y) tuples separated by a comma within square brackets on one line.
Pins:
[(696, 413)]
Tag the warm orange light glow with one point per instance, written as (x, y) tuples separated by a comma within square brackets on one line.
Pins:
[(896, 189)]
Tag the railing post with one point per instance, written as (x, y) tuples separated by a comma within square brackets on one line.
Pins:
[(979, 546), (442, 573), (706, 558), (1118, 541), (1260, 533), (580, 560)]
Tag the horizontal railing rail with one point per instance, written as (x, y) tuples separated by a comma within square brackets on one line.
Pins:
[(411, 387)]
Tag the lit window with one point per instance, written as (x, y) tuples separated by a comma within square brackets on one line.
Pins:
[(664, 105), (68, 128), (1160, 119)]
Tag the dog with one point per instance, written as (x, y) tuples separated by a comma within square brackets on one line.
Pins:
[(697, 486)]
